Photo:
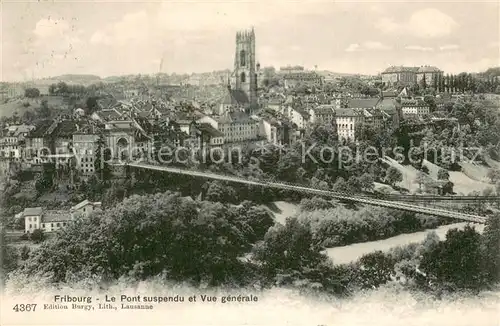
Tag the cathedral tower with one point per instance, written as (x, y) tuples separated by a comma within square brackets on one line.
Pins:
[(244, 77)]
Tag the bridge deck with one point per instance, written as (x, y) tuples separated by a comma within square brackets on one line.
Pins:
[(343, 196)]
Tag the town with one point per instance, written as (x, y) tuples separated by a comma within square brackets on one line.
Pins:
[(252, 176)]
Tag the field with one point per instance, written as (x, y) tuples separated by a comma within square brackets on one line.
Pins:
[(463, 184), (8, 109)]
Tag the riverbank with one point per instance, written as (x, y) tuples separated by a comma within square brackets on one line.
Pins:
[(350, 253)]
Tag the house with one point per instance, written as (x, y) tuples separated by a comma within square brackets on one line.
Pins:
[(32, 218), (12, 143), (346, 120), (276, 132), (206, 136), (84, 148), (414, 108), (297, 115), (85, 208), (53, 220), (323, 114), (37, 143)]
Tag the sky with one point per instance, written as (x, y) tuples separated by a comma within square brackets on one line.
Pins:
[(49, 38)]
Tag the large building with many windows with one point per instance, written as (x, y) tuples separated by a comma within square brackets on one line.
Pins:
[(400, 75)]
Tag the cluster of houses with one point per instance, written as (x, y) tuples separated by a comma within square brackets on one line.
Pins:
[(38, 218), (126, 125)]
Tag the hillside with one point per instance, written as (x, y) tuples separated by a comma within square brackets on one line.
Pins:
[(463, 184), (8, 109)]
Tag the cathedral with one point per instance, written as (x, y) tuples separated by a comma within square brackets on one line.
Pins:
[(244, 77), (242, 84)]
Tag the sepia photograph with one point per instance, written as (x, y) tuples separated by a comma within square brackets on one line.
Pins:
[(249, 162)]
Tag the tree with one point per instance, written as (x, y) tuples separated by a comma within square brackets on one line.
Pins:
[(494, 175), (340, 185), (376, 269), (258, 218), (37, 236), (45, 181), (315, 203), (367, 182), (288, 247), (490, 245), (44, 111), (457, 261), (31, 92), (421, 179), (393, 175), (91, 104), (162, 233), (102, 157), (443, 174), (423, 83), (217, 192)]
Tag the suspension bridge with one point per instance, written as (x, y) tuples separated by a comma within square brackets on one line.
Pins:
[(400, 202)]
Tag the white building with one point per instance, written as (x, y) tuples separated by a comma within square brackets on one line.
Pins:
[(85, 208)]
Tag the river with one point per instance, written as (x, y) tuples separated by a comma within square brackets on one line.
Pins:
[(351, 253)]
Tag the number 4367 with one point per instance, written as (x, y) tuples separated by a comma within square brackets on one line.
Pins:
[(24, 307)]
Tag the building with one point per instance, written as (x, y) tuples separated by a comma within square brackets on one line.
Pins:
[(84, 147), (277, 132), (308, 78), (32, 218), (53, 220), (205, 136), (400, 75), (346, 120), (414, 108), (296, 115), (431, 75), (238, 126), (38, 144), (234, 99), (37, 218), (323, 114), (13, 142), (291, 69), (244, 77), (85, 208), (128, 137)]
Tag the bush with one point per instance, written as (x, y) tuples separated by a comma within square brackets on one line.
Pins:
[(315, 203), (37, 236), (340, 226)]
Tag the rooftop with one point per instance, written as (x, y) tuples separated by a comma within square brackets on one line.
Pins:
[(428, 69), (40, 129), (363, 103), (32, 211), (396, 69), (208, 129), (56, 216), (84, 203)]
